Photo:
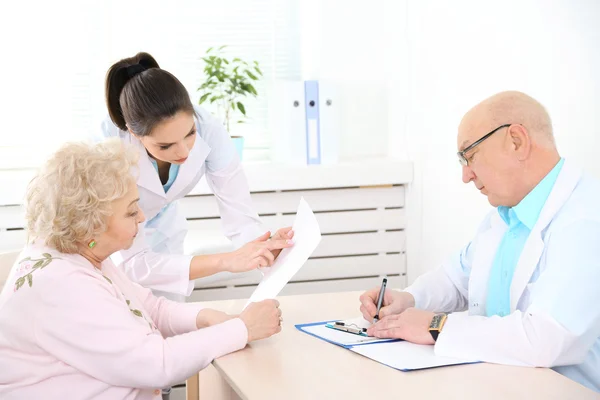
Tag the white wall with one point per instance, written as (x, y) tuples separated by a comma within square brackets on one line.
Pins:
[(342, 42), (463, 51)]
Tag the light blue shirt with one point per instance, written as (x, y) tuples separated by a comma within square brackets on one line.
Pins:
[(520, 220), (173, 171)]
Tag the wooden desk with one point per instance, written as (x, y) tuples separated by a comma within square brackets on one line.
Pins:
[(294, 365)]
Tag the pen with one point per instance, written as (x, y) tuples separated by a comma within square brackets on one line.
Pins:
[(380, 299)]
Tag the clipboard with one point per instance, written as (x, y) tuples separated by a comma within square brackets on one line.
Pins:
[(348, 327), (338, 337), (394, 353)]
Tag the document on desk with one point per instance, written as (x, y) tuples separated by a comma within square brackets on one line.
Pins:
[(398, 354), (406, 356), (307, 236)]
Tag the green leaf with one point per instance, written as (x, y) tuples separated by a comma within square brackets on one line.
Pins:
[(233, 105), (19, 283), (222, 47), (46, 255), (237, 60), (25, 259), (225, 61), (137, 313), (203, 98), (241, 122), (209, 50), (258, 71), (29, 279), (45, 263), (251, 75), (128, 302), (38, 264), (251, 89), (241, 108)]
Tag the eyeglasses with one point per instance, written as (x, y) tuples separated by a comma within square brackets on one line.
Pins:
[(462, 154)]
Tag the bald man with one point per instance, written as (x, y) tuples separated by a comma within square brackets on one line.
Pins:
[(526, 290)]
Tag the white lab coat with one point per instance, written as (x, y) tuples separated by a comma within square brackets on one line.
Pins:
[(156, 259), (554, 295)]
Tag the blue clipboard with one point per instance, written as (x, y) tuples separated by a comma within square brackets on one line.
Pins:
[(361, 347), (359, 342)]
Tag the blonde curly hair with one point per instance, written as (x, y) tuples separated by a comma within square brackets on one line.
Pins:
[(69, 201)]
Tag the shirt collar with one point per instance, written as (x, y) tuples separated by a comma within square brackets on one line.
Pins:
[(529, 209)]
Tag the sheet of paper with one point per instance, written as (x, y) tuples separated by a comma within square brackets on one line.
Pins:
[(342, 338), (307, 236), (406, 356)]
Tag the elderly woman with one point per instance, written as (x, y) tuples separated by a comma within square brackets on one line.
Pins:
[(73, 326)]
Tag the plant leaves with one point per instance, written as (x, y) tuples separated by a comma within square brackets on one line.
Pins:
[(25, 259), (19, 283), (251, 75), (209, 49), (233, 106), (128, 302), (38, 264), (241, 108), (258, 71), (46, 255), (222, 47), (29, 279), (203, 98), (251, 89)]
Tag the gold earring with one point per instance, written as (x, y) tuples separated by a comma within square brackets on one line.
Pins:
[(92, 244)]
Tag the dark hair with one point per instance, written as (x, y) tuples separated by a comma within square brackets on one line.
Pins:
[(140, 95)]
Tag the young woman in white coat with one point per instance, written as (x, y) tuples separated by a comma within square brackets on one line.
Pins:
[(179, 144)]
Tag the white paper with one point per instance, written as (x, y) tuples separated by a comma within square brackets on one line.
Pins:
[(343, 338), (307, 236), (406, 356)]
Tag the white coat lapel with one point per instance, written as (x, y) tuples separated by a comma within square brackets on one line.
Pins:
[(147, 177), (190, 172), (483, 258), (534, 246)]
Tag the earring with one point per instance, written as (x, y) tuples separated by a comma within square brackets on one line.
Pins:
[(92, 244)]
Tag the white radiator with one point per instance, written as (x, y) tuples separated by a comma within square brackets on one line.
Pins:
[(360, 208)]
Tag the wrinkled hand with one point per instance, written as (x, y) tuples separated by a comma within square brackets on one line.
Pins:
[(262, 319), (255, 254), (393, 303), (282, 234), (412, 325), (209, 317)]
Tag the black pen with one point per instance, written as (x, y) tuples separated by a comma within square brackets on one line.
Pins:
[(380, 299)]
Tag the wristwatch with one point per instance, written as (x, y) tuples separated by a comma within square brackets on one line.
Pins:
[(436, 325)]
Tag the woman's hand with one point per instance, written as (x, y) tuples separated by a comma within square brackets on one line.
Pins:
[(282, 234), (262, 319), (256, 254)]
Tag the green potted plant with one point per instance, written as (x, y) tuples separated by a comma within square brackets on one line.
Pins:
[(227, 82)]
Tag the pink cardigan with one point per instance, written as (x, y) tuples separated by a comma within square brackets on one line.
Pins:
[(71, 331)]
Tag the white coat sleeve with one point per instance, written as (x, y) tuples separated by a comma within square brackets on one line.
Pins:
[(158, 271), (82, 323), (226, 178), (445, 288), (561, 323)]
